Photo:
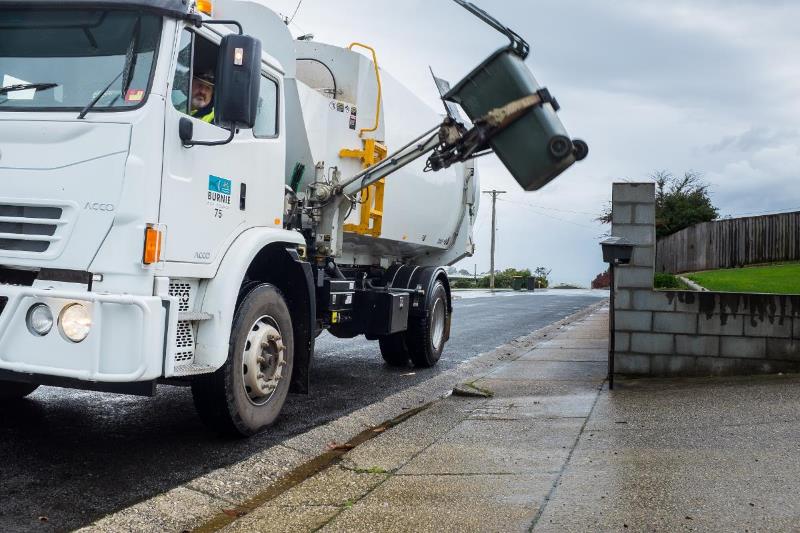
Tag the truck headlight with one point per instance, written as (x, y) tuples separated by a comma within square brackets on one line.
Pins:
[(75, 322), (40, 319)]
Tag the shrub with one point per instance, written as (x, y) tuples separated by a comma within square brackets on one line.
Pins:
[(668, 281)]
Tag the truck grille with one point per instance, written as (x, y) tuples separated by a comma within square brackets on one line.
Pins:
[(28, 228)]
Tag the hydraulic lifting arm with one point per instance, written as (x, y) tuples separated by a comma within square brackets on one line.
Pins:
[(511, 115)]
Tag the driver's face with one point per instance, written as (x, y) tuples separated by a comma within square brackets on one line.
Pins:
[(202, 94)]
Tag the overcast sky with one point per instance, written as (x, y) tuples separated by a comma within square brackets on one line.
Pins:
[(706, 85)]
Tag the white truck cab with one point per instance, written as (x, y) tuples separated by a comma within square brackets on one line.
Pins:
[(111, 230)]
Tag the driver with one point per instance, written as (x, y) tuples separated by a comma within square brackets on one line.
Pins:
[(203, 97)]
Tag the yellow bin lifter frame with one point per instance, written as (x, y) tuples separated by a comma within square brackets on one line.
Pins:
[(372, 152)]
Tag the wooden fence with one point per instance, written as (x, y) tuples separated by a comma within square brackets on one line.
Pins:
[(731, 243)]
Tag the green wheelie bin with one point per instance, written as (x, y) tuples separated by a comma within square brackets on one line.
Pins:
[(535, 147)]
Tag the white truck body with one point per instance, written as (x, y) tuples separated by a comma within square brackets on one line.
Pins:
[(111, 174), (98, 180)]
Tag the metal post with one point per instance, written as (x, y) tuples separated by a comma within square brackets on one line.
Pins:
[(611, 328), (494, 194)]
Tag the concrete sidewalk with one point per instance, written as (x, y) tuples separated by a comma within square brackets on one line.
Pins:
[(553, 450)]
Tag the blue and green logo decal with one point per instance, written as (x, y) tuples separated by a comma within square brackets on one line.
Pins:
[(219, 191)]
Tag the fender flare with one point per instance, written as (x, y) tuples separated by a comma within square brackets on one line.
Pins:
[(219, 294), (413, 277)]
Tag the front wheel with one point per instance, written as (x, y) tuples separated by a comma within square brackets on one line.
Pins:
[(248, 392), (12, 390), (427, 335)]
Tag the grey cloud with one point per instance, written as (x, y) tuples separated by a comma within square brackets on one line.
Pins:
[(755, 139)]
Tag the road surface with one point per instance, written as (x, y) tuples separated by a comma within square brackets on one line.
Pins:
[(69, 457)]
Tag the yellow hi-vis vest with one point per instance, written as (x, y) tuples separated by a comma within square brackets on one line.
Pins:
[(206, 118)]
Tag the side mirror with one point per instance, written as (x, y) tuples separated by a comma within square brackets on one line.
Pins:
[(185, 130), (238, 80)]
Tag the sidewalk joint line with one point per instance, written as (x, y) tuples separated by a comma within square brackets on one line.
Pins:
[(554, 486)]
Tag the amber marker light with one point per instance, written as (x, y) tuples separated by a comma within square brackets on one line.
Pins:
[(152, 245), (204, 6)]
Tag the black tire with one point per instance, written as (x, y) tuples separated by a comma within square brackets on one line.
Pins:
[(223, 399), (424, 338), (559, 147), (581, 149), (12, 390), (394, 349)]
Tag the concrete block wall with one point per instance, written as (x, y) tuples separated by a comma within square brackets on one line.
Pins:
[(680, 333)]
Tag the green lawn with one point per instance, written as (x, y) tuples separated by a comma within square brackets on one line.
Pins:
[(776, 279)]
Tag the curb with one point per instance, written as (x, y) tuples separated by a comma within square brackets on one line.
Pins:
[(196, 502), (692, 285)]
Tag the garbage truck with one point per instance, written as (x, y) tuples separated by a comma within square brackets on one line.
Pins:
[(191, 196)]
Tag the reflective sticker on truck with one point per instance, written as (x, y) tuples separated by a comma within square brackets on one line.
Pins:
[(219, 192)]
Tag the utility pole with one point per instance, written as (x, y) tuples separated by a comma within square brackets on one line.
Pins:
[(495, 193)]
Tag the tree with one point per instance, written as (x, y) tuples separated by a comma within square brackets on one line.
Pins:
[(504, 279), (680, 203), (542, 277)]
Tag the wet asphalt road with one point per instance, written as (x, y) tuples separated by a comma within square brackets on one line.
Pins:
[(74, 456)]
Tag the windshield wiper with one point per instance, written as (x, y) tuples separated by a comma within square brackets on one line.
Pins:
[(27, 86), (127, 69), (97, 98)]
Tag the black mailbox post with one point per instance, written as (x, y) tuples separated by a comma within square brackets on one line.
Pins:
[(616, 251)]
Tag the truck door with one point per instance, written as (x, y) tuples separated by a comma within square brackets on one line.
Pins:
[(210, 194)]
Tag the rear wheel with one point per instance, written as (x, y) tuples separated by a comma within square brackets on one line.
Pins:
[(248, 392), (394, 349), (426, 335), (12, 390)]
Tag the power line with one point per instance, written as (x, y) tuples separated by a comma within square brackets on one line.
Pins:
[(550, 208), (555, 217), (289, 21)]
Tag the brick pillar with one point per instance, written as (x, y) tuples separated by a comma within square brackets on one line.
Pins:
[(633, 207), (633, 210)]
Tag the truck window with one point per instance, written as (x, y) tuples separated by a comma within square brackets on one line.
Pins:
[(59, 59), (193, 83), (267, 117), (181, 84)]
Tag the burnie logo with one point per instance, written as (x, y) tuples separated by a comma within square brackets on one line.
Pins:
[(219, 191)]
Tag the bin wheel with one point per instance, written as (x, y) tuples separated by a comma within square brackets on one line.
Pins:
[(248, 392), (559, 146), (394, 349), (12, 390), (581, 149), (426, 335)]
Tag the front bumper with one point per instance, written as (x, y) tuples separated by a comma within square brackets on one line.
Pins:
[(125, 343)]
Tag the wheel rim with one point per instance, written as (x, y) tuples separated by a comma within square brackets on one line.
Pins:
[(437, 323), (263, 360)]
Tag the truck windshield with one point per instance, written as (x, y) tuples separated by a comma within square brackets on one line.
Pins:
[(55, 60)]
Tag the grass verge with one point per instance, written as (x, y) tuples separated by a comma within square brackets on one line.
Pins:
[(775, 279)]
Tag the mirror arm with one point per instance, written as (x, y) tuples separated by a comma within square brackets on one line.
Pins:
[(189, 143), (225, 23)]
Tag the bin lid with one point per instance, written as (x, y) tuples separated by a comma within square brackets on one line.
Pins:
[(616, 241)]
